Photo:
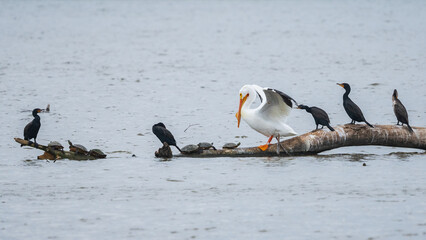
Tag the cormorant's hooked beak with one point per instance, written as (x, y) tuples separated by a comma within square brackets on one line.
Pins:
[(341, 84), (242, 101), (39, 111), (298, 107)]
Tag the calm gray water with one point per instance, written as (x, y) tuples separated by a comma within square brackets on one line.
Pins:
[(111, 69)]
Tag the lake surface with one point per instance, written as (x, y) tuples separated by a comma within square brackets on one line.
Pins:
[(111, 69)]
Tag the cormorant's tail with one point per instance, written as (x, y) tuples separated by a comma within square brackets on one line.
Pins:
[(178, 148), (329, 127), (409, 128), (369, 124)]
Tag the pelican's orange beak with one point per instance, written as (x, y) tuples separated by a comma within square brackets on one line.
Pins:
[(242, 101)]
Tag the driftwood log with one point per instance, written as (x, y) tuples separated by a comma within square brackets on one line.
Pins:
[(52, 154), (318, 141), (164, 151)]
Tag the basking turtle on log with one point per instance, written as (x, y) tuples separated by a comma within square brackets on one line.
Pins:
[(191, 148), (206, 145), (54, 151), (54, 145), (312, 143), (231, 145), (78, 148), (97, 153)]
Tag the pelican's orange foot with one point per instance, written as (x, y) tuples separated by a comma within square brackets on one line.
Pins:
[(264, 147)]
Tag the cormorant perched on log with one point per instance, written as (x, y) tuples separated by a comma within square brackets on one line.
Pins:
[(400, 111), (351, 108), (320, 116), (31, 130), (164, 135)]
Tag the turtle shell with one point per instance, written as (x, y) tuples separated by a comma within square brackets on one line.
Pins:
[(191, 148), (231, 145), (206, 145), (97, 153), (55, 145), (78, 149)]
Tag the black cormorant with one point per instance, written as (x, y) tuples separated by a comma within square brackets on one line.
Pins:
[(399, 110), (351, 108), (31, 130), (320, 116), (164, 135)]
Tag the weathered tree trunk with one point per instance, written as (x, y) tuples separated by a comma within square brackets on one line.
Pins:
[(318, 141), (164, 151), (54, 154)]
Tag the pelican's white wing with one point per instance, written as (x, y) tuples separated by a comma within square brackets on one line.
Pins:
[(260, 94), (276, 104)]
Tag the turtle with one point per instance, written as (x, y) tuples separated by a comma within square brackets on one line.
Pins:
[(54, 145), (206, 145), (231, 145), (77, 148), (191, 148), (97, 153)]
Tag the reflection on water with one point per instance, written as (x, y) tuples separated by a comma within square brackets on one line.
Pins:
[(34, 163), (407, 155), (356, 157), (277, 161)]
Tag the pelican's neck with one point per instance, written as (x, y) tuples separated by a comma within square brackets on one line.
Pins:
[(246, 108)]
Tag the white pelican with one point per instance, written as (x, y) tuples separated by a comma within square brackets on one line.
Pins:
[(269, 118)]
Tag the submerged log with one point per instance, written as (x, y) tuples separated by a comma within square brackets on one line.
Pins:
[(52, 154), (318, 141)]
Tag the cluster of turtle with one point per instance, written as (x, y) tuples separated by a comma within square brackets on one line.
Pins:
[(196, 148), (77, 148)]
